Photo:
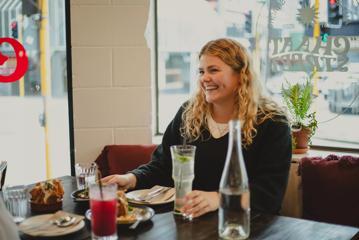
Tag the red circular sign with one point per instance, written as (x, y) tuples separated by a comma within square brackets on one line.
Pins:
[(22, 63)]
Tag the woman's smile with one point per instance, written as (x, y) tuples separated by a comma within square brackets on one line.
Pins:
[(210, 88)]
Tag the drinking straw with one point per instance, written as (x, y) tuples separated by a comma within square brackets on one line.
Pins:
[(100, 183)]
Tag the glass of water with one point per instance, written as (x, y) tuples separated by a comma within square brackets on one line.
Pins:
[(182, 173), (85, 175), (15, 199)]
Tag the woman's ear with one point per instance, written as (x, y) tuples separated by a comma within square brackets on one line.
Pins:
[(236, 89), (239, 77)]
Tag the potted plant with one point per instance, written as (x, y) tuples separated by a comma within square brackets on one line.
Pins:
[(298, 98)]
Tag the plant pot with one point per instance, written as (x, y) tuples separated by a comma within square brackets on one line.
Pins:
[(301, 138), (300, 150)]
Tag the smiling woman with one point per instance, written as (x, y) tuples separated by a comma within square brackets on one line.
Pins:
[(227, 89)]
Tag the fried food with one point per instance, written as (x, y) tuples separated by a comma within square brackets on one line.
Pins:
[(126, 219), (123, 213), (122, 204), (48, 192)]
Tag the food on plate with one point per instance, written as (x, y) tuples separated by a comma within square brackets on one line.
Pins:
[(124, 211), (84, 194), (48, 192)]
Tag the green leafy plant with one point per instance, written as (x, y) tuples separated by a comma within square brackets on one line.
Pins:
[(298, 98)]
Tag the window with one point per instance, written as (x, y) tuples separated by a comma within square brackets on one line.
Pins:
[(273, 31), (34, 123)]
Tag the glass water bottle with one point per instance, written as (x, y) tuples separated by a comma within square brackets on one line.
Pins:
[(234, 209)]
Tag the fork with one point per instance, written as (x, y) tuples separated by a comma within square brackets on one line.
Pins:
[(152, 195)]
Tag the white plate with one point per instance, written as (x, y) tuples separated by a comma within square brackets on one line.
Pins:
[(145, 212), (30, 226), (131, 196)]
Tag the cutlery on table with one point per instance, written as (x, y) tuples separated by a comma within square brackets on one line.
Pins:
[(64, 221), (139, 217), (135, 224), (152, 194)]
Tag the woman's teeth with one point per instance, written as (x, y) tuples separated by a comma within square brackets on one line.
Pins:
[(209, 88)]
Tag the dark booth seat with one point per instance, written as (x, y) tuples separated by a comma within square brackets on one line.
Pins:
[(331, 189), (119, 159)]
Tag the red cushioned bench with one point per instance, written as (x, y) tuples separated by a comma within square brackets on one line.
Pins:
[(119, 159)]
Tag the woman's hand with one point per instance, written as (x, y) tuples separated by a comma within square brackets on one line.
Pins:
[(200, 202), (124, 182)]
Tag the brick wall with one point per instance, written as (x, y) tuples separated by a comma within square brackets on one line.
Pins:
[(111, 75)]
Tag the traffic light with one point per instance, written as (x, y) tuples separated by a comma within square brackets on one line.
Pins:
[(14, 30), (335, 14), (30, 7), (248, 22)]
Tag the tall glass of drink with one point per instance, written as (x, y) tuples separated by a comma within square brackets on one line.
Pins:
[(182, 173), (103, 212)]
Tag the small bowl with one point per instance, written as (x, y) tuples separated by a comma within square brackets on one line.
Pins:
[(75, 196), (45, 208)]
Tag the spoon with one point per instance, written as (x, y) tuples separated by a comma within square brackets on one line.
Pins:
[(141, 214), (64, 221), (135, 224)]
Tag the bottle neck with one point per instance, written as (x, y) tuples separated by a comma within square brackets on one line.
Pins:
[(235, 169), (234, 131)]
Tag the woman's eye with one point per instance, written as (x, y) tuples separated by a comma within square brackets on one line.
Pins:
[(200, 72)]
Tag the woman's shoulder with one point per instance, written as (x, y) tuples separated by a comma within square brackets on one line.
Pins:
[(177, 119), (180, 110), (274, 127), (275, 119)]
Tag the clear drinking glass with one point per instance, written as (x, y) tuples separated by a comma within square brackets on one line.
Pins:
[(182, 173), (103, 211), (15, 199), (85, 175)]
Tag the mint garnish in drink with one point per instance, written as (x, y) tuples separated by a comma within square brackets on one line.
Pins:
[(182, 158)]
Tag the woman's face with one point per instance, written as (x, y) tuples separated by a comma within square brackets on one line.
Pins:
[(218, 80)]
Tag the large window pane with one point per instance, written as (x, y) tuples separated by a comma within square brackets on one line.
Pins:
[(34, 123), (298, 46), (284, 47)]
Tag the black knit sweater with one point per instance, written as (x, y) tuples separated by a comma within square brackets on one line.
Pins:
[(267, 162)]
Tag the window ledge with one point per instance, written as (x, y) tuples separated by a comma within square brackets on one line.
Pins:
[(295, 157)]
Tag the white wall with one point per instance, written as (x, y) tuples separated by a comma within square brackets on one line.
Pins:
[(111, 75)]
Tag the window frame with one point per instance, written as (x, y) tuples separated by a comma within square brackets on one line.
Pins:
[(69, 85)]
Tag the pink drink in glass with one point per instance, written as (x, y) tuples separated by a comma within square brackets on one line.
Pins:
[(103, 217), (103, 211)]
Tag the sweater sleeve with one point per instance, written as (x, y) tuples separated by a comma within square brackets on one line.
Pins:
[(269, 183), (159, 170)]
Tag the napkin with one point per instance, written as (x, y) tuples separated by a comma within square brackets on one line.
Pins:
[(161, 198), (144, 193), (42, 225)]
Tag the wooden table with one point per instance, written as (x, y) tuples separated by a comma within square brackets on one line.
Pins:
[(164, 225)]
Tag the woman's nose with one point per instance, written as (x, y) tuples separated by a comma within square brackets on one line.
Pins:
[(205, 77)]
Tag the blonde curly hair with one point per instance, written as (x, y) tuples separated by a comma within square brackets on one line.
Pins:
[(251, 106)]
